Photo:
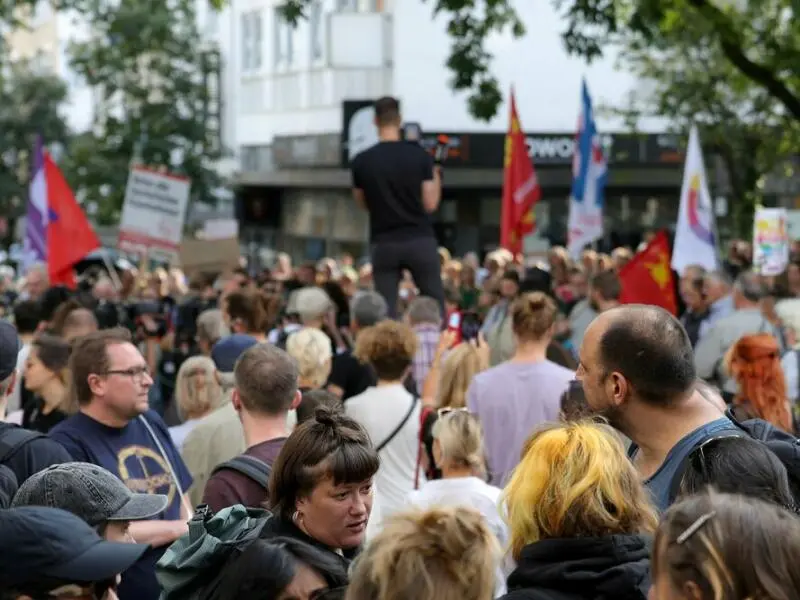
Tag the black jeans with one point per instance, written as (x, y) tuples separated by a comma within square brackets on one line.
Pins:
[(420, 256)]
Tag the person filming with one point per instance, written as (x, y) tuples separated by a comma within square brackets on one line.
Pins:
[(400, 185)]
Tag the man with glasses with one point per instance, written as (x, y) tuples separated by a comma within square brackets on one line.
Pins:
[(115, 429)]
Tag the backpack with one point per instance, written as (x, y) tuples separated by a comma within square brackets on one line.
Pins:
[(191, 567), (249, 466), (783, 445), (14, 437)]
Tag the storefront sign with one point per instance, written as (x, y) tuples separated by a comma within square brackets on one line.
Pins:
[(485, 150)]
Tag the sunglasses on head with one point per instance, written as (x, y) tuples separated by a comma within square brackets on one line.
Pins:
[(446, 410)]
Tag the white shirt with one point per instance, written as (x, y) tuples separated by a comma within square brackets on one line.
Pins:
[(474, 493), (380, 410)]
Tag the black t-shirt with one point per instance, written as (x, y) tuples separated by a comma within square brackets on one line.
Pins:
[(391, 174), (352, 376)]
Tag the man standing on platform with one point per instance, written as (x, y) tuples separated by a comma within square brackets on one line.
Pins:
[(400, 185)]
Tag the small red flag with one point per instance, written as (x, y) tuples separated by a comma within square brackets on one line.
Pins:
[(70, 236), (647, 278), (521, 190)]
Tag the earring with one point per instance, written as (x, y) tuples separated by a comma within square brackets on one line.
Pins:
[(295, 517)]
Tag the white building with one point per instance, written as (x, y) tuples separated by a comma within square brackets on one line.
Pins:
[(289, 85)]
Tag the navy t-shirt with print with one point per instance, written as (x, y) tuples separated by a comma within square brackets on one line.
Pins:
[(661, 481), (132, 455)]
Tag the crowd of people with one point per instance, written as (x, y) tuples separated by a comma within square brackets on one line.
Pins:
[(293, 435)]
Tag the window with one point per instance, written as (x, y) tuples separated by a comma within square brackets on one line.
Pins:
[(251, 41), (346, 5), (315, 26), (284, 40)]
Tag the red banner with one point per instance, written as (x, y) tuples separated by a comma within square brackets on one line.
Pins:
[(521, 189)]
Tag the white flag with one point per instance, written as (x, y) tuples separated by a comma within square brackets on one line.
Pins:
[(695, 233)]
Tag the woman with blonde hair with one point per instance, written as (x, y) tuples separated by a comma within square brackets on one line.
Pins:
[(459, 456), (724, 547), (197, 392), (754, 362), (451, 373), (312, 350), (523, 392), (445, 553), (579, 517)]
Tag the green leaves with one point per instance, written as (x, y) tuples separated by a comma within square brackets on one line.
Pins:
[(759, 40), (153, 74), (470, 24), (688, 77), (29, 106)]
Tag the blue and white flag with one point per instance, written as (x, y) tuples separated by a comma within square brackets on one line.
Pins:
[(589, 173)]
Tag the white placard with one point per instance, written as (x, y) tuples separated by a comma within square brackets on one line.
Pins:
[(153, 212), (220, 229)]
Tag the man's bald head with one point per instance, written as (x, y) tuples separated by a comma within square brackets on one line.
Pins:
[(650, 348)]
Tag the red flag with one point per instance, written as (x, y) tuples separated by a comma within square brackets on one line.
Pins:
[(521, 189), (70, 237), (647, 278)]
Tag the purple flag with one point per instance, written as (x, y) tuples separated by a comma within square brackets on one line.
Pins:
[(35, 246)]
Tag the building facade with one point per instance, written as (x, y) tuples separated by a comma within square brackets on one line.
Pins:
[(43, 43), (300, 90)]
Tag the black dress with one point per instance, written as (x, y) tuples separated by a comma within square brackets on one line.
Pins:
[(614, 567)]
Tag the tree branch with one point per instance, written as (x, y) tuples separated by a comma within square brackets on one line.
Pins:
[(731, 45)]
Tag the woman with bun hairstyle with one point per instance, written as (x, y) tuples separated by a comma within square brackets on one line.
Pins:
[(516, 396), (247, 311), (445, 553), (321, 485)]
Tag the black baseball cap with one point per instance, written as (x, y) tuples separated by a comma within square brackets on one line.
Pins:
[(9, 349), (40, 542), (89, 492)]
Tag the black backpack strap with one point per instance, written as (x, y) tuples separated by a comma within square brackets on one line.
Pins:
[(397, 429), (251, 467), (677, 479), (12, 438)]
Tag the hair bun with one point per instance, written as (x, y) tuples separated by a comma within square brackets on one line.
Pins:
[(325, 416), (537, 301)]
